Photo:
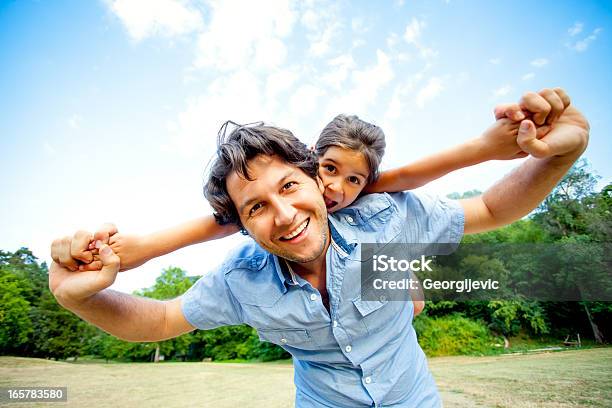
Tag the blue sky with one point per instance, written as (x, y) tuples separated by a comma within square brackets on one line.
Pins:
[(109, 109)]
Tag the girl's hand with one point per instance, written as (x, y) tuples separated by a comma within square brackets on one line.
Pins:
[(132, 250)]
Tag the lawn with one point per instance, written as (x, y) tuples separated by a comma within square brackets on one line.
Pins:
[(561, 379)]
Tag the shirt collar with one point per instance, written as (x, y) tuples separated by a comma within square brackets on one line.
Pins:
[(285, 273), (343, 245), (345, 241)]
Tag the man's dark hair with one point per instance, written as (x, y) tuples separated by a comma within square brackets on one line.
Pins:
[(236, 147), (350, 132)]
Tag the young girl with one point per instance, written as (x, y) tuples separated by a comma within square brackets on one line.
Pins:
[(350, 151)]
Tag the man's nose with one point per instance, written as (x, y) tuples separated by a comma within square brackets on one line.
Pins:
[(284, 212)]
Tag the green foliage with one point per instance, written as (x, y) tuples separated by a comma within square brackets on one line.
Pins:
[(15, 323), (236, 342), (33, 324), (509, 316), (573, 208), (452, 335), (171, 283), (467, 194)]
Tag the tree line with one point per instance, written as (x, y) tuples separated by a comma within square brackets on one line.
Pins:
[(32, 323)]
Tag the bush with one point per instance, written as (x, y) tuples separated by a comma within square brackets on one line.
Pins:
[(452, 335)]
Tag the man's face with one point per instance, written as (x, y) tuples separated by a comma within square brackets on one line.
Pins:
[(282, 208)]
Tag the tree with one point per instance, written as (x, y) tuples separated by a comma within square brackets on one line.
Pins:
[(573, 212), (15, 323), (171, 283)]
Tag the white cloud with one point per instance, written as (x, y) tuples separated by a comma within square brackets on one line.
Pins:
[(396, 104), (48, 148), (413, 31), (392, 40), (539, 62), (502, 91), (310, 19), (320, 44), (304, 100), (144, 18), (575, 29), (359, 42), (402, 94), (270, 53), (528, 76), (412, 35), (358, 25), (323, 25), (429, 92), (240, 33), (338, 71), (279, 82), (74, 121), (583, 44), (495, 61), (403, 56), (366, 86), (236, 97)]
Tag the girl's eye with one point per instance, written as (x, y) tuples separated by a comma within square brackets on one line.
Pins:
[(353, 180), (288, 185), (254, 209), (330, 168)]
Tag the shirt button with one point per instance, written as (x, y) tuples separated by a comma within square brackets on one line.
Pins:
[(368, 380), (284, 341), (349, 218), (313, 297), (335, 323), (348, 349)]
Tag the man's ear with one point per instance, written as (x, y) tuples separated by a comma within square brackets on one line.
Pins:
[(320, 184)]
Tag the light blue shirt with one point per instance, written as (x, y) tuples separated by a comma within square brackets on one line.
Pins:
[(361, 353)]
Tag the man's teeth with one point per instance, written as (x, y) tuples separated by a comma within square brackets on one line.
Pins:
[(297, 230)]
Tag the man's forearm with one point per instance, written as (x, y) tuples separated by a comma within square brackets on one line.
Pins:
[(125, 316)]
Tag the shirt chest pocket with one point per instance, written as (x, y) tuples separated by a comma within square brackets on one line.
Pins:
[(377, 315), (258, 295), (297, 338)]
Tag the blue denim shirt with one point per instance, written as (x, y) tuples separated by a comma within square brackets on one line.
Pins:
[(361, 353)]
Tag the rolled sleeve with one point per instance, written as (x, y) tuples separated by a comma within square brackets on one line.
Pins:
[(209, 303), (431, 219)]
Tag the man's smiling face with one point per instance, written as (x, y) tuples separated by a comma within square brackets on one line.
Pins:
[(282, 209)]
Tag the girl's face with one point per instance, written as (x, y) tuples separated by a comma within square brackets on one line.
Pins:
[(344, 173)]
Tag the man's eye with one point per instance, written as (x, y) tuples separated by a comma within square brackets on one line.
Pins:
[(354, 180), (255, 208)]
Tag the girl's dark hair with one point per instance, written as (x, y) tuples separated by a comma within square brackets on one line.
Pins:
[(350, 132), (236, 147)]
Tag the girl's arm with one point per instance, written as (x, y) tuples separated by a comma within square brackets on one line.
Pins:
[(135, 250), (496, 143)]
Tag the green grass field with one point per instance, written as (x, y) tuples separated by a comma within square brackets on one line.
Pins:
[(561, 379)]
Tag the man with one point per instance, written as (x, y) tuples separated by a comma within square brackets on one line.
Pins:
[(298, 283)]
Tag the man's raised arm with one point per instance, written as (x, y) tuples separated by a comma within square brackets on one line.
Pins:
[(125, 316), (519, 192)]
